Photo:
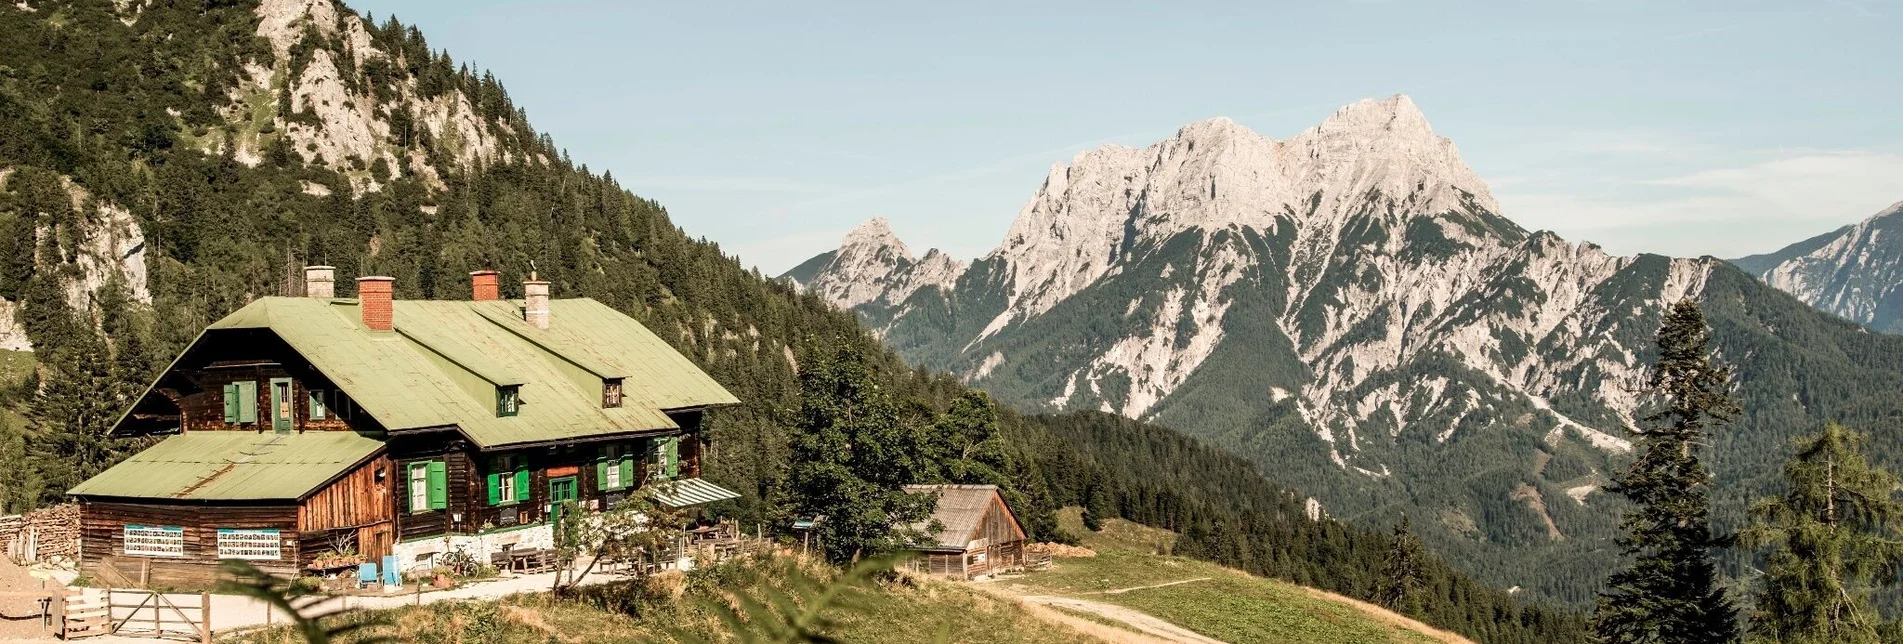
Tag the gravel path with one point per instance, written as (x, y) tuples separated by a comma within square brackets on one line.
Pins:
[(1145, 622)]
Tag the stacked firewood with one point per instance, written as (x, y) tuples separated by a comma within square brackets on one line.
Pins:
[(47, 534)]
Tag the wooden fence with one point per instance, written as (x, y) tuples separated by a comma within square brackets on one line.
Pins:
[(140, 613)]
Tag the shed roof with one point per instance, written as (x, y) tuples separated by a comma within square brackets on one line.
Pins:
[(440, 366), (961, 509), (233, 466)]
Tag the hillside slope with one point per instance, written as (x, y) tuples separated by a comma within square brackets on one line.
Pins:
[(1132, 569), (1350, 309)]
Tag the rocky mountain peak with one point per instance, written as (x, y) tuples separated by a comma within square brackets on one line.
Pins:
[(1395, 114), (1384, 145), (875, 235)]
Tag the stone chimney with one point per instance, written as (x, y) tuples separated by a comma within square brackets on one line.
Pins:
[(373, 295), (320, 281), (485, 285), (535, 301)]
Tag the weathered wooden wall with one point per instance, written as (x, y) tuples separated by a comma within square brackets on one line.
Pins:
[(361, 497), (998, 526), (103, 555)]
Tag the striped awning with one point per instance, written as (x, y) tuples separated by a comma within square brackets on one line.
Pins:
[(691, 492)]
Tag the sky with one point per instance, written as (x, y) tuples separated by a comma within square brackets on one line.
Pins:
[(1686, 128)]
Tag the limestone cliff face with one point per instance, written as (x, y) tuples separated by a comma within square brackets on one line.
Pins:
[(1855, 272), (337, 114), (325, 92)]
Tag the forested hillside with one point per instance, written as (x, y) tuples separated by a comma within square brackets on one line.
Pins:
[(162, 164)]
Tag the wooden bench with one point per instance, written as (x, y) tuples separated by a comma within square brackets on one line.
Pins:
[(528, 560)]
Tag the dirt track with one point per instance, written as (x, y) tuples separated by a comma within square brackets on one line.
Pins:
[(1139, 620)]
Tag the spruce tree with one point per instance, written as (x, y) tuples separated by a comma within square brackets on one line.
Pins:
[(1401, 572), (1833, 538), (1670, 592)]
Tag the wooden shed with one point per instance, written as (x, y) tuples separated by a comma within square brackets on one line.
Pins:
[(168, 515), (977, 536)]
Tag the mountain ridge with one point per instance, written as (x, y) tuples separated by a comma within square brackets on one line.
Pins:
[(1367, 341), (1854, 272)]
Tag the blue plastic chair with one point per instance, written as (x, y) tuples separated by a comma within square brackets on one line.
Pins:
[(366, 574), (392, 574)]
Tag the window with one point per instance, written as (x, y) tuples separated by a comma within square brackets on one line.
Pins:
[(241, 402), (316, 404), (614, 467), (281, 410), (664, 458), (508, 480), (428, 483), (611, 393), (154, 541), (234, 543), (506, 401)]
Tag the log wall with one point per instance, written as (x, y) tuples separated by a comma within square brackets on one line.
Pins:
[(102, 528)]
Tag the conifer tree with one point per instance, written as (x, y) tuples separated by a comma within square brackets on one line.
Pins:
[(1670, 592), (1833, 538), (1401, 572)]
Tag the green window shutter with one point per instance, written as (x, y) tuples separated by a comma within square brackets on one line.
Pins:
[(438, 485), (673, 455), (248, 401), (627, 470), (231, 403), (495, 489), (317, 404), (601, 473), (522, 485)]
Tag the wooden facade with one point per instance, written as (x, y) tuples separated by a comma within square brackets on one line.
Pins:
[(198, 392), (466, 504), (104, 553), (451, 473)]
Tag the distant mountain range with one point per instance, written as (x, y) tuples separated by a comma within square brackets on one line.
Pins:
[(1349, 309), (1855, 271)]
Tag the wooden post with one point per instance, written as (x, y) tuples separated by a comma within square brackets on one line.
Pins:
[(155, 613), (204, 616)]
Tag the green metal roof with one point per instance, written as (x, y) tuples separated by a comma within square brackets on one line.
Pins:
[(690, 492), (232, 466), (440, 366)]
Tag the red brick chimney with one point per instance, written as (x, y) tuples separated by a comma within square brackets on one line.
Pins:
[(373, 295), (485, 285)]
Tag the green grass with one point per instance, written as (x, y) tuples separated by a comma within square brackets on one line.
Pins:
[(15, 366), (1227, 605), (899, 611)]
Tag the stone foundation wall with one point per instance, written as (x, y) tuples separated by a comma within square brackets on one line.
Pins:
[(421, 554)]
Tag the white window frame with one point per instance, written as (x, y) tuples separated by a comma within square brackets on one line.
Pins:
[(153, 541), (419, 486), (613, 471), (505, 480), (254, 544)]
